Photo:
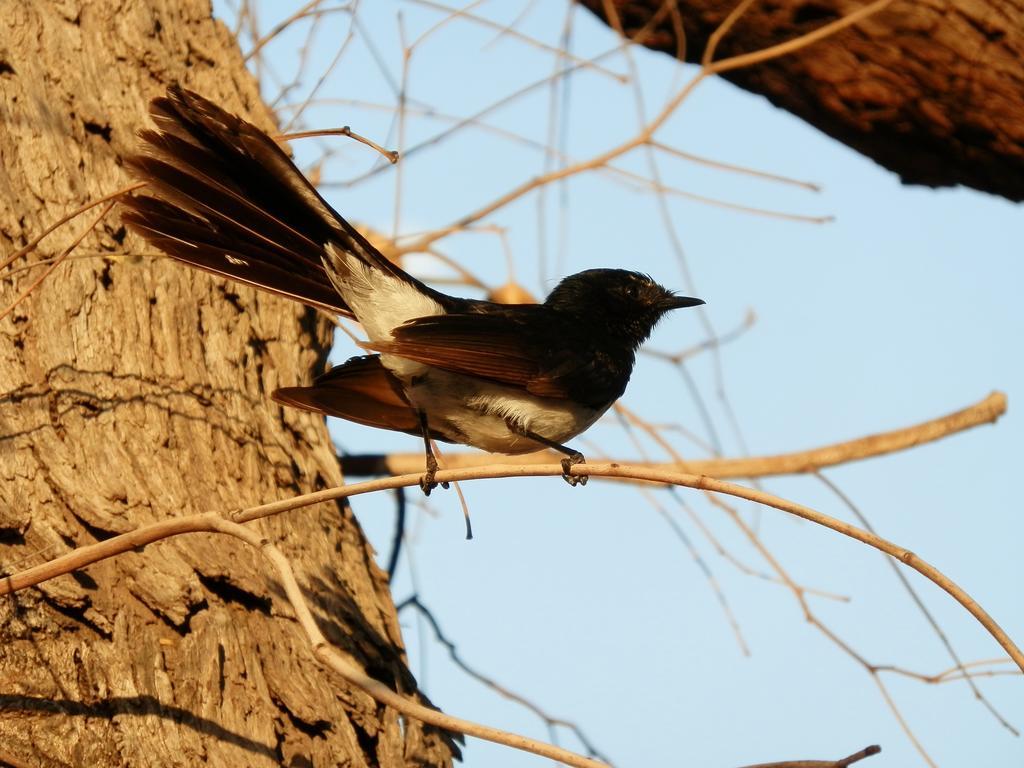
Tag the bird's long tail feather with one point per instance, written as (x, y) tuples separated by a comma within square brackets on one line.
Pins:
[(223, 197)]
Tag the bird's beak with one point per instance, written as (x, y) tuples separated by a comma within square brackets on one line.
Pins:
[(679, 302)]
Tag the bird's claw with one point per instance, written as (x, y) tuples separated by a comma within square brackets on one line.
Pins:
[(567, 464), (427, 482)]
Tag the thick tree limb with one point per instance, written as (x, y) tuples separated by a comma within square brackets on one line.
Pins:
[(932, 91)]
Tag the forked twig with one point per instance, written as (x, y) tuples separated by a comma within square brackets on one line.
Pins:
[(65, 219), (389, 154), (57, 261)]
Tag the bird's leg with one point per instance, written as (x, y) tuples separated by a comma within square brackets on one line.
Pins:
[(427, 483), (572, 458)]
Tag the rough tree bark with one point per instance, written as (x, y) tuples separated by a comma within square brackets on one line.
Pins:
[(131, 390), (932, 90)]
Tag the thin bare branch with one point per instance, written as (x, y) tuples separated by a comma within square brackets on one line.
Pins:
[(307, 11), (985, 411), (390, 155), (905, 583), (874, 749), (92, 553), (330, 657), (501, 690), (66, 218), (509, 31), (732, 168), (58, 261), (790, 46)]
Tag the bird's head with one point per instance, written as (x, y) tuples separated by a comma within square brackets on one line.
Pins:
[(623, 303)]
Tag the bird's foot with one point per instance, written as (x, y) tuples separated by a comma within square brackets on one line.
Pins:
[(567, 464), (427, 482)]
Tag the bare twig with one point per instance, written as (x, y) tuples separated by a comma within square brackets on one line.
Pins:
[(306, 11), (331, 658), (453, 653), (715, 342), (733, 168), (644, 136), (722, 30), (390, 155), (802, 462), (508, 30), (713, 582), (58, 261), (790, 46), (874, 749), (89, 554), (66, 218), (746, 569), (905, 583)]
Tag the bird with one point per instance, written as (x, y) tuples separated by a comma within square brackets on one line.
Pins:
[(222, 196)]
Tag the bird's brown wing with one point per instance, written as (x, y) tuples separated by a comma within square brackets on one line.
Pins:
[(496, 347), (360, 390)]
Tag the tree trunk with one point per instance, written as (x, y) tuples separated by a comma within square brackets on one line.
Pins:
[(132, 390), (933, 91)]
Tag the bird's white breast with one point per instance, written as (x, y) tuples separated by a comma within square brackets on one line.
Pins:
[(478, 413)]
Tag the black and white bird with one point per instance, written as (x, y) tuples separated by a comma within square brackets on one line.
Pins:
[(222, 196)]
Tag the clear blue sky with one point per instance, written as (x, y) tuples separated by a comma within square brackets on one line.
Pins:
[(584, 600)]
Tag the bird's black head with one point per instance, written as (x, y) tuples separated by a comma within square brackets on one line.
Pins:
[(621, 303)]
